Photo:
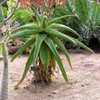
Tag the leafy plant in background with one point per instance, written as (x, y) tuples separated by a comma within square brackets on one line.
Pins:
[(23, 15), (87, 20)]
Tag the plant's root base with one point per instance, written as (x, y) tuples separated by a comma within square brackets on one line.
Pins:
[(40, 82), (41, 76)]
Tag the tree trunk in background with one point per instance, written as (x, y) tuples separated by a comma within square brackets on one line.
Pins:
[(4, 89)]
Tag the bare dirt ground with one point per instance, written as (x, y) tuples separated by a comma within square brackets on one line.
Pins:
[(84, 81)]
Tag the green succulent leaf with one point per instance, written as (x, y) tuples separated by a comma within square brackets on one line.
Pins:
[(59, 18), (28, 26), (83, 46), (23, 33), (58, 34), (33, 55), (38, 43), (27, 66), (45, 56), (61, 26), (52, 47), (64, 50), (44, 22)]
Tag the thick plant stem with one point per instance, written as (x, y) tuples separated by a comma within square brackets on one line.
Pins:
[(41, 76), (4, 89)]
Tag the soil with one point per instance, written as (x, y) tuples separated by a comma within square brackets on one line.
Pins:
[(84, 80)]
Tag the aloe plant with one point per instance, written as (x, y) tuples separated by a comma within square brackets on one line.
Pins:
[(42, 36)]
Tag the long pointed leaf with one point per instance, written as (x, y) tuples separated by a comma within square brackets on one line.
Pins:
[(59, 18), (52, 47), (55, 25), (83, 46), (60, 44), (29, 62), (45, 56), (53, 32), (27, 26), (39, 41), (33, 56), (23, 33)]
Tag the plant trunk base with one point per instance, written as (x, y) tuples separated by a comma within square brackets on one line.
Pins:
[(40, 76)]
